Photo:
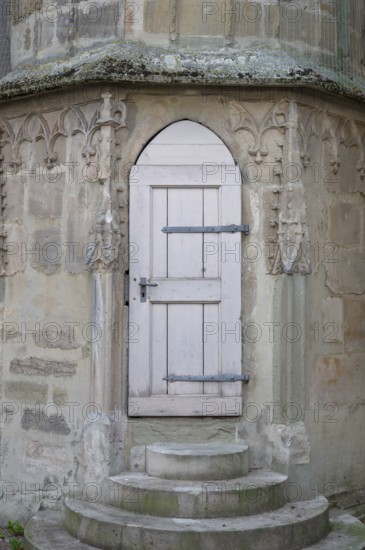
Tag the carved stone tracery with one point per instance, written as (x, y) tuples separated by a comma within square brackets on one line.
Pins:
[(275, 119), (288, 228), (288, 223), (100, 147), (319, 125), (107, 231)]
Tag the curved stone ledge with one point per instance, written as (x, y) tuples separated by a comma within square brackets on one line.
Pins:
[(128, 62)]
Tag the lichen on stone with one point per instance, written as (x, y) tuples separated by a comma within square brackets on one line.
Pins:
[(129, 62)]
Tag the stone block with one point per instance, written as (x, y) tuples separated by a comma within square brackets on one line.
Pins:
[(138, 458), (333, 318), (14, 188), (349, 175), (96, 20), (248, 20), (45, 197), (43, 367), (65, 28), (181, 430), (197, 19), (41, 456), (79, 223), (344, 223), (54, 335), (59, 396), (337, 380), (96, 447), (26, 392), (16, 239), (44, 31), (295, 438), (271, 20), (33, 419), (328, 34), (47, 249), (354, 317), (23, 8), (345, 273), (156, 16)]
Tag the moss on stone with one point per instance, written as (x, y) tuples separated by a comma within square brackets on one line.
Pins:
[(131, 63), (355, 530), (154, 505)]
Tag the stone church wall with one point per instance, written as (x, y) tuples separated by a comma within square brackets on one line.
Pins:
[(319, 31), (66, 161)]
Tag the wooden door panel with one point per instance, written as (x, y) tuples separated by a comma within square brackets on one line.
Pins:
[(193, 346), (211, 342), (185, 207), (211, 240), (159, 334), (159, 239), (181, 290), (188, 323), (185, 346)]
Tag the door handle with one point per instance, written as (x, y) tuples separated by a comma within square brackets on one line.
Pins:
[(144, 284)]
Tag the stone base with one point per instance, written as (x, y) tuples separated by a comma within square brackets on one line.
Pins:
[(45, 531)]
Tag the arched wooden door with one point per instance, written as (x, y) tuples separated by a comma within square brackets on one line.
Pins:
[(188, 314)]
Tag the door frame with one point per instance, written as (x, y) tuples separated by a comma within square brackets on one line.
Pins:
[(226, 403)]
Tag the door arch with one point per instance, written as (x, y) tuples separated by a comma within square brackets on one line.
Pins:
[(188, 314), (185, 142)]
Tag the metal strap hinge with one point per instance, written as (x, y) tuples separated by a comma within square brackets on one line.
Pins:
[(208, 229), (208, 378)]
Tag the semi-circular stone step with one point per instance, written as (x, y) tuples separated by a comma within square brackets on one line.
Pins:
[(199, 461), (293, 527), (45, 531), (258, 492)]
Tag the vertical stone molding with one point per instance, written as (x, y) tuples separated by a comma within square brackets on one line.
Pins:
[(292, 251), (106, 290), (174, 20), (106, 232), (3, 258)]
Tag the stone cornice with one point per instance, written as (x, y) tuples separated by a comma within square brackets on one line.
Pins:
[(134, 63)]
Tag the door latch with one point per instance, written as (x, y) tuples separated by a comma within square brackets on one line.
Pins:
[(144, 284)]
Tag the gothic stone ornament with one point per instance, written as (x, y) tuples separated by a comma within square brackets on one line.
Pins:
[(289, 232), (292, 248), (99, 143), (107, 233), (349, 136), (10, 137), (319, 125), (50, 137), (275, 119)]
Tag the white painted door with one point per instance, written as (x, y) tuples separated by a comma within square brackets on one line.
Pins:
[(189, 324)]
